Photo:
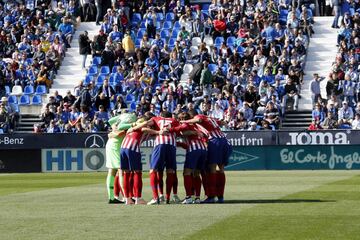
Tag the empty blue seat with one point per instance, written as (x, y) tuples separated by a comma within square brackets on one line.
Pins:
[(143, 25), (158, 26), (170, 16), (177, 25), (140, 33), (40, 90), (136, 17), (96, 61), (24, 100), (218, 41), (28, 90), (36, 100), (92, 71), (137, 42), (165, 34), (100, 80), (105, 70), (167, 25), (130, 98), (230, 41), (172, 42), (114, 69), (88, 79), (13, 99), (174, 33), (213, 68), (132, 106), (160, 17), (205, 6), (7, 90)]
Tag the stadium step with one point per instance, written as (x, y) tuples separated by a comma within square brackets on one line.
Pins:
[(27, 122), (296, 120), (70, 72), (321, 54)]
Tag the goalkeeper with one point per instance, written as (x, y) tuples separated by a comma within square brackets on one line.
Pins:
[(119, 125)]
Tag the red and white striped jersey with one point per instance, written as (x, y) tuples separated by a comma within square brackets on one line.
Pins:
[(161, 123), (133, 140), (194, 142), (211, 126)]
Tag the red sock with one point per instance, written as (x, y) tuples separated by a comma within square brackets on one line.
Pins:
[(211, 184), (126, 184), (116, 186), (138, 184), (197, 186), (154, 185), (169, 184), (220, 179), (175, 184), (188, 184), (161, 182), (131, 182), (204, 178)]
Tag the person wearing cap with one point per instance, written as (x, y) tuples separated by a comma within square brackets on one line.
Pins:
[(346, 114)]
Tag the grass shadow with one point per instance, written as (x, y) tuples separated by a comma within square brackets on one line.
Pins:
[(272, 201)]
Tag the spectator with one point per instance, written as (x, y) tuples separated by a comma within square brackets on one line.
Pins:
[(356, 122), (84, 47), (315, 88), (4, 119), (291, 92), (329, 122), (346, 115)]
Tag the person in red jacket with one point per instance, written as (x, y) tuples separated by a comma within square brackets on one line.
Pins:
[(219, 24)]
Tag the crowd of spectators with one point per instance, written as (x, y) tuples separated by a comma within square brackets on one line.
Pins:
[(241, 63), (341, 108)]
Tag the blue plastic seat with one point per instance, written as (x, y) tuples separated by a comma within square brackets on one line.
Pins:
[(213, 68), (165, 34), (174, 33), (230, 41), (167, 25), (24, 100), (132, 106), (140, 33), (100, 80), (160, 17), (96, 61), (105, 70), (28, 90), (40, 90), (143, 25), (7, 90), (130, 98), (136, 17), (36, 100), (158, 25), (88, 79), (92, 71), (219, 41), (177, 25), (170, 16), (137, 43), (13, 99), (172, 43)]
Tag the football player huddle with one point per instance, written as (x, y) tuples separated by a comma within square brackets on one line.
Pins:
[(207, 154)]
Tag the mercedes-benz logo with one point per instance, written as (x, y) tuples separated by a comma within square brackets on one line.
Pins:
[(94, 141)]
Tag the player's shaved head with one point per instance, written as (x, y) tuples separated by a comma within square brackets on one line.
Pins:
[(184, 116), (192, 113), (148, 115)]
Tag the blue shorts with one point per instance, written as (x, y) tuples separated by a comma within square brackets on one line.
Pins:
[(219, 151), (130, 160), (164, 155), (195, 159)]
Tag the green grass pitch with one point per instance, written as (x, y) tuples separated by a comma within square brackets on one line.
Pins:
[(260, 205)]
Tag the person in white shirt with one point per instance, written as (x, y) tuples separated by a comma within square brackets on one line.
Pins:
[(356, 122), (217, 113)]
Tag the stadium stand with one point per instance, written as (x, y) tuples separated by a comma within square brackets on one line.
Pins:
[(224, 61)]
